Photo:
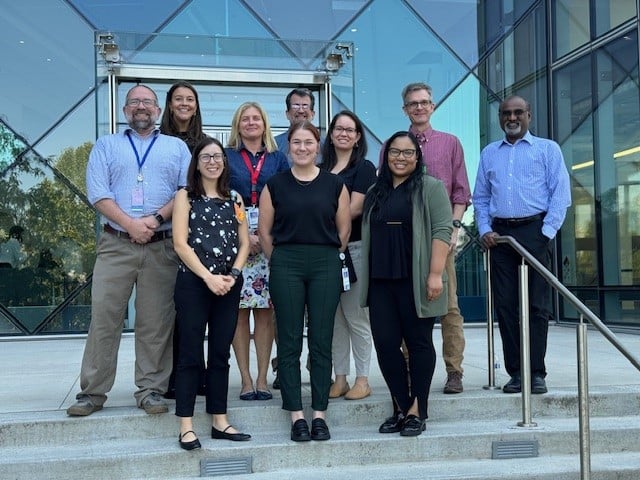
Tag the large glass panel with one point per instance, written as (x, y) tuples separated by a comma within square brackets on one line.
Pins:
[(470, 28), (141, 16), (617, 155), (383, 63), (570, 25), (320, 19), (573, 123), (47, 59), (56, 243), (608, 14), (518, 66)]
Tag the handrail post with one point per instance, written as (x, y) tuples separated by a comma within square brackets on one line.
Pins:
[(583, 401), (525, 350), (486, 254)]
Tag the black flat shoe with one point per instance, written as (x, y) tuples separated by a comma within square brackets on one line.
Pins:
[(392, 424), (234, 437), (192, 445), (319, 430), (300, 431), (412, 426)]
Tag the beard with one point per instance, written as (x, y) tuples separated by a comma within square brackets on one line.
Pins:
[(513, 130), (140, 122)]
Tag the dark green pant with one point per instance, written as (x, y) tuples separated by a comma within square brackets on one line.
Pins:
[(305, 275)]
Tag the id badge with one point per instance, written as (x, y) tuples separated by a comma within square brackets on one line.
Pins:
[(346, 285), (252, 213), (137, 199)]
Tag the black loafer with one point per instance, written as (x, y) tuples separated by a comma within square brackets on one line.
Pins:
[(392, 424), (192, 445), (412, 426), (514, 385), (300, 431), (319, 430), (538, 385), (224, 435)]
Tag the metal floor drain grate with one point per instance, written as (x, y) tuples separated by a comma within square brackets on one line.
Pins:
[(210, 467), (514, 449)]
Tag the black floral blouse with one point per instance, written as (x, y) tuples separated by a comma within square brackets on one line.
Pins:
[(213, 233)]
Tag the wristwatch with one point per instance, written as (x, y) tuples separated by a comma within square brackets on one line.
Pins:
[(159, 218), (235, 273)]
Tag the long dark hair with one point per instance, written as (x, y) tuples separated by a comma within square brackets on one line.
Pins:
[(168, 125), (384, 183), (194, 177), (359, 152)]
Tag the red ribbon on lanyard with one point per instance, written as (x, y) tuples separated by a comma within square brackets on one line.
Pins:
[(255, 173)]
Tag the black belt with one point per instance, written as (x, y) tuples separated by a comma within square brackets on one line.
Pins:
[(515, 222), (156, 237)]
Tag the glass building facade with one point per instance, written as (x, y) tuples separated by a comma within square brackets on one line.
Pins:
[(576, 61)]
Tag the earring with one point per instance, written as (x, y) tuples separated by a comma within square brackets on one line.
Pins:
[(357, 145)]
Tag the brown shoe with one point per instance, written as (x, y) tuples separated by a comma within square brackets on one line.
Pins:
[(83, 407), (335, 391), (454, 383), (357, 392)]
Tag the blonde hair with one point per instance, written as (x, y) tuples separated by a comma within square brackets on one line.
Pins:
[(235, 141)]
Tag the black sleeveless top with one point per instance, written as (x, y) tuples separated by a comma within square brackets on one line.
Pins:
[(213, 233), (305, 212)]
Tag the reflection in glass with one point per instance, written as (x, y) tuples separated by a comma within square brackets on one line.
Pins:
[(609, 14), (384, 64), (58, 240), (570, 25), (518, 66)]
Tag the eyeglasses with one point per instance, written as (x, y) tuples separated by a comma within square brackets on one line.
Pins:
[(396, 152), (206, 157), (147, 102), (414, 105), (348, 130), (300, 106), (518, 112)]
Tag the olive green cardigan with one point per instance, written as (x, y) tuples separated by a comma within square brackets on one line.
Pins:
[(434, 222)]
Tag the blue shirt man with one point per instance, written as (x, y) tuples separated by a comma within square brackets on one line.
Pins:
[(522, 190), (132, 178)]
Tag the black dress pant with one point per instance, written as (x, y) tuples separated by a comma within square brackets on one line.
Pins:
[(198, 307), (505, 282), (393, 318)]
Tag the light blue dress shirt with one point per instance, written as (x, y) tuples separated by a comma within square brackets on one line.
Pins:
[(520, 180), (112, 171)]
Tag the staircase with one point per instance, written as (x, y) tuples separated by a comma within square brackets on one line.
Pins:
[(463, 432)]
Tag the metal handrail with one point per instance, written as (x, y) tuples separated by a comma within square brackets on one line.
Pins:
[(583, 385), (575, 301)]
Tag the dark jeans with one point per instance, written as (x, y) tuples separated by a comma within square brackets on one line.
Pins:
[(197, 307), (393, 319), (305, 275), (504, 279)]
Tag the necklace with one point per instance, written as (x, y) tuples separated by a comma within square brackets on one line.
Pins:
[(302, 183)]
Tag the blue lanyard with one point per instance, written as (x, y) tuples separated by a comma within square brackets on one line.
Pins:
[(146, 154)]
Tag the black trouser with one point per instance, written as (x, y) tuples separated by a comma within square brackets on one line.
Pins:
[(393, 318), (305, 275), (505, 282), (197, 307)]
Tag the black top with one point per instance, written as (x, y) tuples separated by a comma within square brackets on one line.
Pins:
[(305, 212), (213, 233), (391, 236), (358, 178)]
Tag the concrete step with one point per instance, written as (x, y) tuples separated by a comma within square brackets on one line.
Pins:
[(271, 450), (54, 427)]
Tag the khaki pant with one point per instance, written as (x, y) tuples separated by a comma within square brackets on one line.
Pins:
[(120, 265)]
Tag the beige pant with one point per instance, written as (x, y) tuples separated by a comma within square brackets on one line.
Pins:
[(120, 265)]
